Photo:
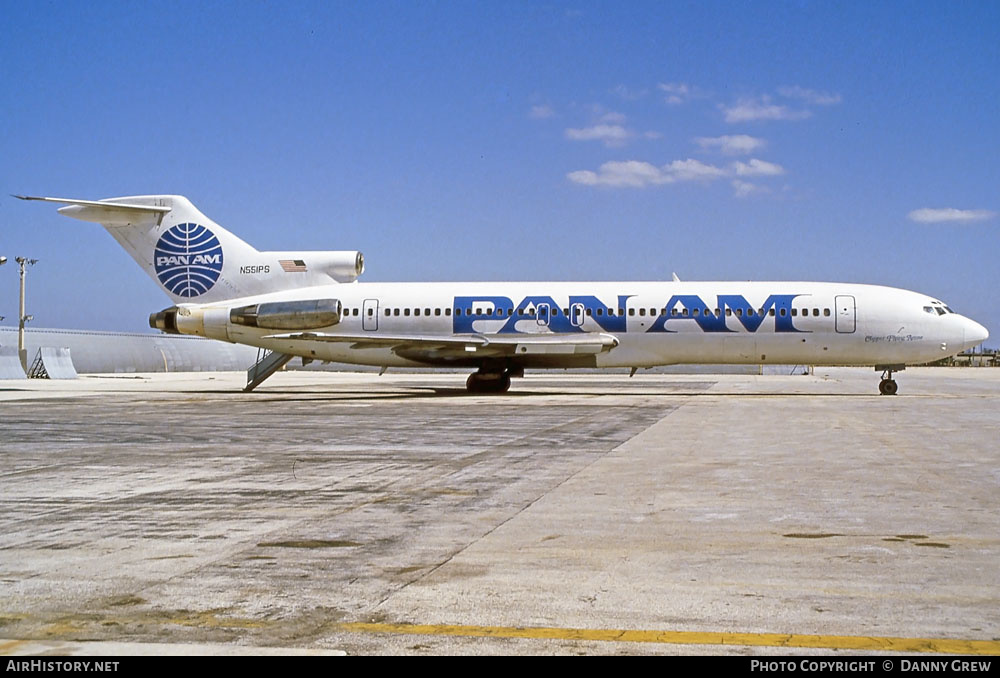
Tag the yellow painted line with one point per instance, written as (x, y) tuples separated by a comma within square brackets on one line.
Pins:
[(8, 646), (884, 644)]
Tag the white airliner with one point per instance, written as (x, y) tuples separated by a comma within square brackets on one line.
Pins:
[(309, 304)]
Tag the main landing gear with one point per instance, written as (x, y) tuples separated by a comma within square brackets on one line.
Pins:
[(488, 382), (888, 385)]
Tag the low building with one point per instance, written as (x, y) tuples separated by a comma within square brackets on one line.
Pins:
[(124, 352)]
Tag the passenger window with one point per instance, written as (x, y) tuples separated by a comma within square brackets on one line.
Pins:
[(406, 311), (631, 311), (782, 313), (795, 311), (600, 311), (739, 313), (416, 311), (621, 311), (356, 312), (696, 311), (771, 313), (395, 311), (642, 311), (427, 311), (826, 312), (437, 311), (673, 312), (816, 312), (447, 311), (588, 311), (729, 313), (479, 311), (749, 312), (387, 311)]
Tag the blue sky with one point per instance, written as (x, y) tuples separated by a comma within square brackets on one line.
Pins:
[(855, 142)]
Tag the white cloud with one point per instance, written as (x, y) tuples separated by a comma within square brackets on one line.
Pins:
[(629, 94), (810, 96), (693, 170), (676, 92), (541, 112), (734, 144), (610, 135), (652, 134), (742, 189), (638, 174), (760, 108), (931, 215), (757, 168), (621, 173), (614, 117)]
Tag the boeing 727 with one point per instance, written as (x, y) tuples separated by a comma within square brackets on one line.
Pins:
[(311, 305)]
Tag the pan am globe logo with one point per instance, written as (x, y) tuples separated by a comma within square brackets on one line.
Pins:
[(188, 260)]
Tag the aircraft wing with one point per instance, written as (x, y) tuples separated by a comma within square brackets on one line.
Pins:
[(455, 346)]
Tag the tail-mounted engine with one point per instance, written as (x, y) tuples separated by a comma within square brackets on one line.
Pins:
[(288, 315)]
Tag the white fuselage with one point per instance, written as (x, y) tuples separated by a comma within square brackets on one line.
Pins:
[(309, 304), (655, 323)]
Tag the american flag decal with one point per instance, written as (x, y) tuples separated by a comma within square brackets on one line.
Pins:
[(292, 265)]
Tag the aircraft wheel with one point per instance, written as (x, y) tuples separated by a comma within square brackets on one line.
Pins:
[(492, 383), (888, 387)]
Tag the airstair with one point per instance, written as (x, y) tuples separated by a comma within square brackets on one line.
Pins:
[(268, 362), (52, 363)]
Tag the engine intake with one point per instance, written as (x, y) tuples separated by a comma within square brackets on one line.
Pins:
[(288, 315), (341, 266)]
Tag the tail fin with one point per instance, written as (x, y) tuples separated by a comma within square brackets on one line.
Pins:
[(193, 259)]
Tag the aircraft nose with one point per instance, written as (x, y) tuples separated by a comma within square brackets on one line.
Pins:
[(975, 333)]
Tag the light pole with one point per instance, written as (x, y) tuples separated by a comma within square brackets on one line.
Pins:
[(22, 352), (3, 260)]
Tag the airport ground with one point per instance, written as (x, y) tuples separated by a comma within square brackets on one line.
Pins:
[(664, 514)]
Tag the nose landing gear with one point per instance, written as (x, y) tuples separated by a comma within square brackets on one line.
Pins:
[(888, 385)]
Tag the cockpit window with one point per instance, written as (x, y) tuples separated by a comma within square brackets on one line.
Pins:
[(937, 307)]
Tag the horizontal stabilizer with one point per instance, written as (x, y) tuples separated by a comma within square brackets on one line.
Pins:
[(105, 212), (98, 203)]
